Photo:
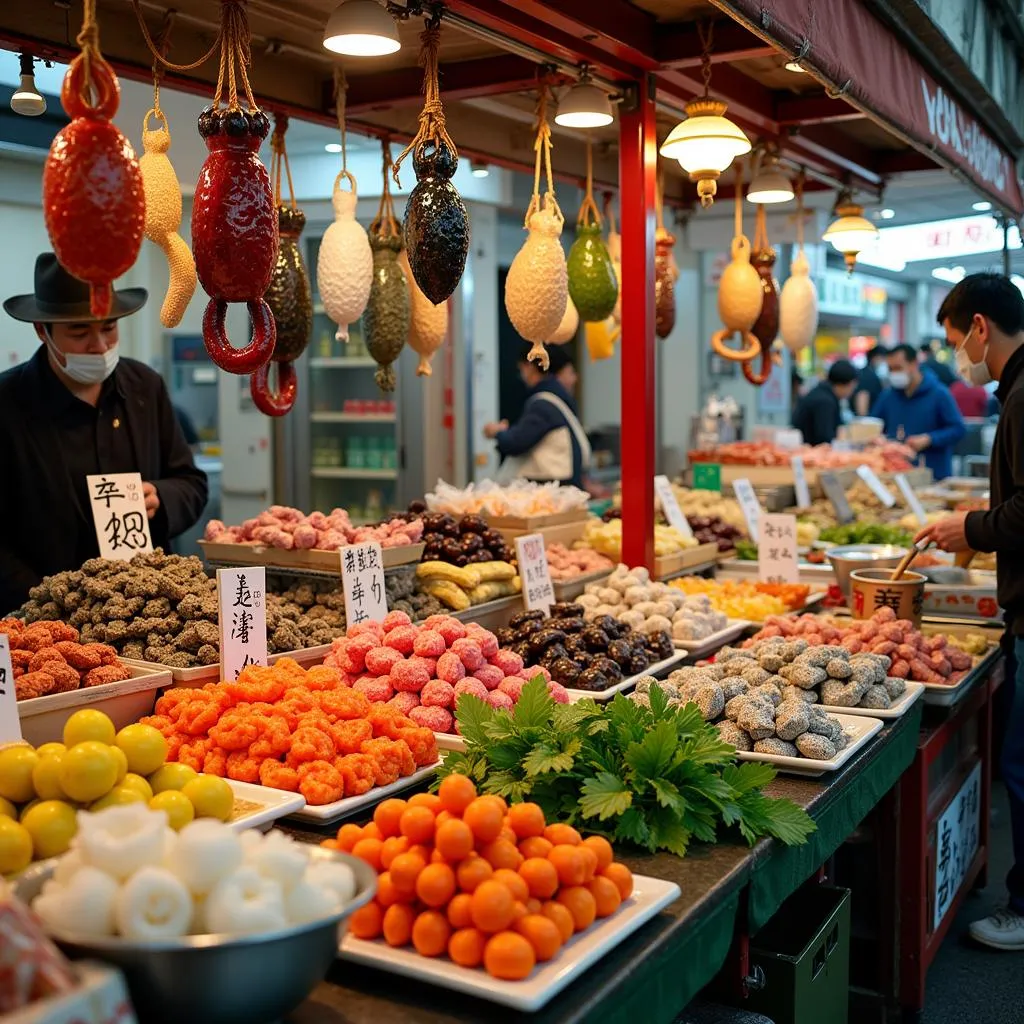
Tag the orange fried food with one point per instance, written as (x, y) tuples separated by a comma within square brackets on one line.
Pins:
[(198, 716), (241, 767), (279, 776), (161, 723), (387, 720), (421, 742), (358, 772), (343, 703), (257, 683), (235, 729), (309, 744), (289, 668), (321, 677), (275, 738), (349, 736), (106, 674), (216, 762), (193, 753), (320, 782)]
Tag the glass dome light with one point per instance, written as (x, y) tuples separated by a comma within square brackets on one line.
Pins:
[(770, 184), (705, 144), (584, 106), (27, 99), (361, 28), (851, 232)]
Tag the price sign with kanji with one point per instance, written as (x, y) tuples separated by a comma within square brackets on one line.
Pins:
[(912, 500), (362, 578), (880, 491), (803, 493), (707, 476), (241, 595), (836, 494), (751, 507), (670, 506), (777, 559), (538, 592), (119, 515), (956, 843), (10, 724)]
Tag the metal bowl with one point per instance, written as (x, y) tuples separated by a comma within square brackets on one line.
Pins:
[(218, 979), (847, 557)]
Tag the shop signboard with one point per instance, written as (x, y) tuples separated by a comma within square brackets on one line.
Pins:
[(851, 295), (119, 515), (957, 837), (362, 580), (673, 513), (707, 476), (538, 591), (242, 608), (777, 558), (10, 723)]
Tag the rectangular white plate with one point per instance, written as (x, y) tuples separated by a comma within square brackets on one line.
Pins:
[(326, 813), (658, 668), (896, 710), (650, 895), (710, 644), (858, 728), (274, 804)]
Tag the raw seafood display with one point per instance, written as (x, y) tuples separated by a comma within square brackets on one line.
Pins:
[(462, 541), (606, 538), (461, 586), (568, 563), (293, 729), (745, 599), (885, 457), (521, 498), (428, 324)]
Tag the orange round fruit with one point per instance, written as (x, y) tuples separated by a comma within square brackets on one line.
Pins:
[(492, 907), (398, 921), (371, 830), (621, 876), (418, 824), (502, 854), (560, 835), (404, 871), (580, 903), (369, 850), (541, 877), (569, 864), (561, 916), (484, 817), (466, 946), (498, 801), (606, 895), (430, 933), (387, 815), (589, 861), (542, 933), (391, 848), (442, 816), (526, 820), (456, 793), (454, 840), (472, 871), (533, 905), (329, 844), (536, 846), (422, 851), (431, 801), (602, 849), (367, 921), (459, 915), (348, 836), (435, 885), (386, 891), (515, 882), (509, 956)]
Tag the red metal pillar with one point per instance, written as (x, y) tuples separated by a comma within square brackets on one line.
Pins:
[(638, 157)]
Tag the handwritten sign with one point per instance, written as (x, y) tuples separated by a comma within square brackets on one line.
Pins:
[(912, 500), (956, 843), (880, 491), (837, 495), (777, 559), (803, 494), (748, 503), (362, 578), (119, 515), (241, 597), (10, 724), (670, 506), (538, 593), (707, 476)]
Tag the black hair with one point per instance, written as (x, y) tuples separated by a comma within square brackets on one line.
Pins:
[(907, 351), (842, 371), (926, 348), (992, 295), (878, 352)]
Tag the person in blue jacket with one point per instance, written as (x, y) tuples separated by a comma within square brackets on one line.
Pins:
[(919, 411), (547, 443)]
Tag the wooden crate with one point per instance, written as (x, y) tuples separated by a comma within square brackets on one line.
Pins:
[(561, 533), (321, 561), (676, 564), (532, 524)]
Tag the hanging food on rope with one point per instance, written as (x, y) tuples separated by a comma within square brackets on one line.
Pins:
[(289, 295), (536, 289), (436, 223), (593, 287), (93, 200), (428, 324), (387, 316), (739, 292), (344, 266), (614, 245), (798, 302), (234, 220), (568, 326), (666, 273), (766, 326)]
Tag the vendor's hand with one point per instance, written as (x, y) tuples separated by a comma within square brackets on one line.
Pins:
[(948, 533), (491, 430), (152, 499), (919, 442)]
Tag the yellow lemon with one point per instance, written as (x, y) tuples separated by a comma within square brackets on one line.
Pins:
[(52, 826), (177, 806), (46, 777), (28, 807), (88, 724), (172, 776), (51, 748), (144, 746), (138, 783), (7, 809), (117, 797), (88, 771), (15, 846), (211, 797), (120, 760), (16, 765)]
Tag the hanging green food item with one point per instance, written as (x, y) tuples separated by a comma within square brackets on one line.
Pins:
[(615, 254), (436, 223), (387, 315), (592, 283)]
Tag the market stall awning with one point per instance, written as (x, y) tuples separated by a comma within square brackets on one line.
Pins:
[(847, 47)]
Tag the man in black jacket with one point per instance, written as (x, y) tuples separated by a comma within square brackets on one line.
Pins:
[(984, 320), (817, 415), (75, 409)]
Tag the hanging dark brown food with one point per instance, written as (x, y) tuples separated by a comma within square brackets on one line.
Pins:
[(665, 274), (766, 326)]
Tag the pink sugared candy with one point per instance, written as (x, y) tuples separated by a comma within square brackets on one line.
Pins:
[(450, 667), (373, 628), (484, 637), (407, 677), (451, 629), (469, 653), (513, 686), (510, 663), (381, 660), (473, 686), (489, 675), (559, 694), (433, 718), (430, 664), (532, 671), (376, 688), (401, 638), (393, 620), (497, 699), (438, 693), (405, 702), (429, 644)]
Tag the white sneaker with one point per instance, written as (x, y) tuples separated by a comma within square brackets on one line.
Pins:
[(1003, 930)]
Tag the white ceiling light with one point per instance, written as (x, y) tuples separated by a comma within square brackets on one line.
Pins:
[(794, 66), (479, 169), (584, 106), (982, 206), (333, 147), (885, 214), (770, 184), (361, 28), (951, 275), (27, 99), (851, 231)]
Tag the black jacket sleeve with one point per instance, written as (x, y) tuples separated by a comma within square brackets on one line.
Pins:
[(16, 575), (1002, 527)]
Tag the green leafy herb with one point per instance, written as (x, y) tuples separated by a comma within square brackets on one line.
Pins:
[(657, 776)]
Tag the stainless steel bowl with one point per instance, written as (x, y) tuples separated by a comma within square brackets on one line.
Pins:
[(847, 557), (218, 979)]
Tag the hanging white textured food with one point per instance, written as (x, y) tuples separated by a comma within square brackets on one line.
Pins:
[(344, 268), (428, 324), (798, 306), (569, 325)]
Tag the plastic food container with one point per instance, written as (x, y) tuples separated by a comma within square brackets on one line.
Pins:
[(875, 588)]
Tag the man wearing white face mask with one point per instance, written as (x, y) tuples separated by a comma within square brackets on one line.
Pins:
[(984, 318), (76, 409)]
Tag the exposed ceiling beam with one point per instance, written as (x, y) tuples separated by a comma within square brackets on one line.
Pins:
[(840, 150), (905, 162), (679, 45), (819, 108)]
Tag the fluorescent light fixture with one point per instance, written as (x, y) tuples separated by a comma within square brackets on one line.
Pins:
[(981, 206), (794, 66), (479, 169), (885, 214), (770, 184), (27, 99), (333, 147), (584, 106), (951, 275), (361, 28)]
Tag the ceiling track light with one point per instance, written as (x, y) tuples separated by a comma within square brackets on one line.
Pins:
[(851, 232), (27, 99), (769, 183), (361, 28), (479, 168), (584, 105)]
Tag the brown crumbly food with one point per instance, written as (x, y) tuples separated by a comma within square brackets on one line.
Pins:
[(814, 746), (33, 684), (106, 674), (773, 745)]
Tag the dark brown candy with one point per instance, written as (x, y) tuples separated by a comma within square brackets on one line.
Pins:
[(566, 610), (564, 671), (592, 679), (520, 618), (473, 524)]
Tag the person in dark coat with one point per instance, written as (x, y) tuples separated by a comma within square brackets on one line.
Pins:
[(818, 414), (930, 361), (869, 381), (73, 410)]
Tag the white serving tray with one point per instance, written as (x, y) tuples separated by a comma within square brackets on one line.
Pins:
[(582, 951), (629, 682), (858, 728), (322, 814), (908, 698), (274, 804), (710, 644)]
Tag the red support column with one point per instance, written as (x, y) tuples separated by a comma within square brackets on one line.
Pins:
[(638, 157)]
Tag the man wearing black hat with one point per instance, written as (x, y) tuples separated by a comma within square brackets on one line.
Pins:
[(76, 409)]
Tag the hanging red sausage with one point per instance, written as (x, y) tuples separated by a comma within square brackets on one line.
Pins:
[(93, 202)]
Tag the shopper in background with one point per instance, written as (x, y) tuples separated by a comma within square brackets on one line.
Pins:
[(547, 442), (930, 361), (984, 319), (818, 413), (76, 409), (869, 381), (972, 401), (917, 410)]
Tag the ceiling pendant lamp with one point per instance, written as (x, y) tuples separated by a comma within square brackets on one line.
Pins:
[(27, 99), (851, 232), (707, 142), (770, 184), (584, 105), (361, 28)]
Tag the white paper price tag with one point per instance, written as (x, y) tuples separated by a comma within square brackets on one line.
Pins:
[(362, 577), (538, 592), (241, 596), (837, 495), (748, 503), (803, 494), (880, 491), (10, 724), (119, 515), (777, 559), (912, 500), (670, 506)]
